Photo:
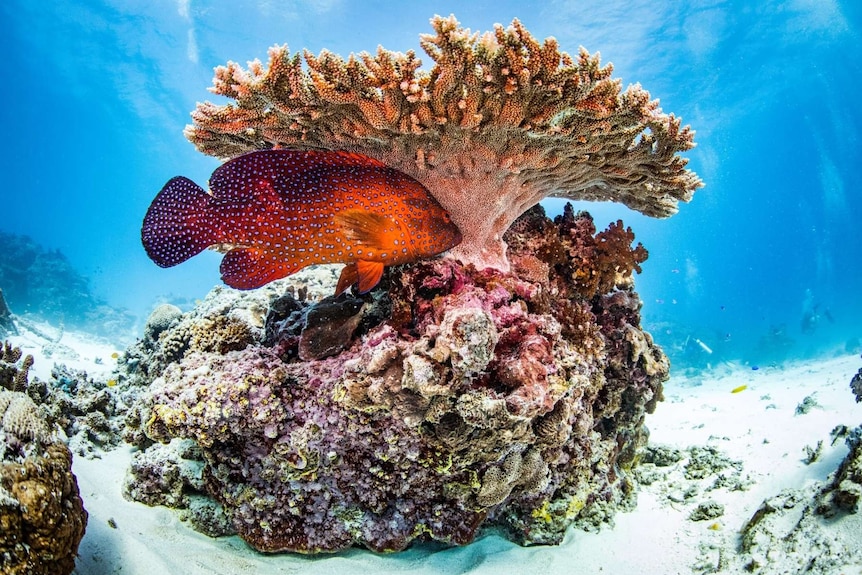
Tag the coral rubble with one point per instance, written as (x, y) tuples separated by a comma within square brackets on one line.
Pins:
[(450, 398), (790, 531), (684, 477), (799, 530), (500, 122), (844, 493), (42, 518)]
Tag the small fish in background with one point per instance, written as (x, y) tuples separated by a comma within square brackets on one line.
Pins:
[(739, 389), (275, 212)]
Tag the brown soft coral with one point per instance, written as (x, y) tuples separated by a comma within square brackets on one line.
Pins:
[(500, 122), (593, 263), (614, 258)]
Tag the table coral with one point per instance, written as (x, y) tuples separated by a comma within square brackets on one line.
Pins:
[(465, 397), (500, 122)]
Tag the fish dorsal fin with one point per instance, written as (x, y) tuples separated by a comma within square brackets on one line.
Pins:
[(250, 268), (367, 274), (365, 229), (243, 176)]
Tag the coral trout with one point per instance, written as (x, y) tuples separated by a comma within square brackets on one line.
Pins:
[(275, 212)]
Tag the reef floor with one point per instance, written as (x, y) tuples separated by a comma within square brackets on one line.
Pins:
[(729, 484)]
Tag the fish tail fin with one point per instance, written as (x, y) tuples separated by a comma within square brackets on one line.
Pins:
[(177, 225)]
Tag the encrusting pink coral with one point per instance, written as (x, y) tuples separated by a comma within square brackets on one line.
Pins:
[(499, 123)]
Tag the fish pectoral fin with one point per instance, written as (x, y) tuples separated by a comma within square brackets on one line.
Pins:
[(366, 274), (349, 276), (369, 274), (365, 229), (250, 268)]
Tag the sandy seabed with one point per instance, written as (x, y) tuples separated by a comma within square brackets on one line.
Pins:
[(762, 430)]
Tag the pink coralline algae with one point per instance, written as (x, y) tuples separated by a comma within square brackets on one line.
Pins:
[(446, 399)]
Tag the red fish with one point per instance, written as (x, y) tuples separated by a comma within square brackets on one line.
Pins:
[(278, 211)]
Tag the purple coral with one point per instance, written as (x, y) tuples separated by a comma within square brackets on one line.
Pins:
[(466, 397)]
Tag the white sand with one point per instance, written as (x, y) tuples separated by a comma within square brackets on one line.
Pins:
[(758, 426)]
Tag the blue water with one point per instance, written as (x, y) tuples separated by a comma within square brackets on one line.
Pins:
[(762, 266)]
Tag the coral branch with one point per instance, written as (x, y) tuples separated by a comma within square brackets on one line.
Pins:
[(499, 123)]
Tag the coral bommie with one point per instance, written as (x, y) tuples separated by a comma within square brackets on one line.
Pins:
[(464, 397)]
